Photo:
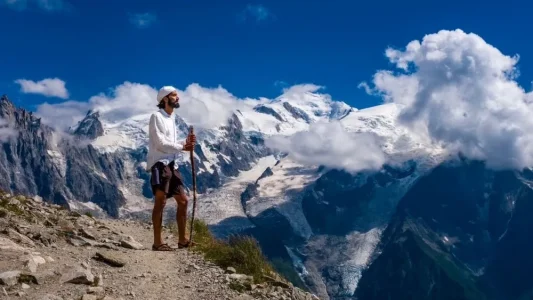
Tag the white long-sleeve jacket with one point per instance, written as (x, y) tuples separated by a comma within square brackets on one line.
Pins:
[(163, 144)]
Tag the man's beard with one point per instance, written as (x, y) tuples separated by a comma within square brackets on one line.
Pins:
[(174, 104)]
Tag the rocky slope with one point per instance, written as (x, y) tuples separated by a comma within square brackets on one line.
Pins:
[(51, 253), (452, 235)]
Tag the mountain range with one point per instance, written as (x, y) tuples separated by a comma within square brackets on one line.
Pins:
[(386, 216)]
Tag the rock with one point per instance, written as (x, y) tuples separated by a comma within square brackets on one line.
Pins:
[(84, 221), (281, 284), (9, 278), (78, 275), (244, 297), (106, 246), (240, 277), (22, 239), (45, 277), (89, 297), (86, 234), (32, 262), (14, 202), (131, 243), (25, 286), (79, 241), (109, 259), (51, 297), (99, 280), (231, 270), (98, 290), (7, 244), (49, 259)]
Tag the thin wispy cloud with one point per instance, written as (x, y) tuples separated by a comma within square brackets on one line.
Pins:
[(45, 5), (255, 12), (142, 20)]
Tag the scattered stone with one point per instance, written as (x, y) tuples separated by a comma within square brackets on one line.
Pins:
[(51, 297), (79, 241), (109, 259), (89, 297), (25, 286), (32, 262), (49, 259), (22, 239), (99, 280), (244, 297), (45, 277), (9, 278), (86, 234), (7, 244), (130, 243), (98, 290), (240, 277), (78, 275)]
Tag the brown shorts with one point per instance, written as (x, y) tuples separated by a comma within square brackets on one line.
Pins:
[(166, 179)]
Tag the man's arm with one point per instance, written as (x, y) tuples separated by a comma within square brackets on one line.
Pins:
[(161, 142)]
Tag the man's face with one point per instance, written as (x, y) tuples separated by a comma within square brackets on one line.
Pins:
[(173, 99)]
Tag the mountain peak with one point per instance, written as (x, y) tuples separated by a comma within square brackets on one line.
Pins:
[(90, 127), (7, 108)]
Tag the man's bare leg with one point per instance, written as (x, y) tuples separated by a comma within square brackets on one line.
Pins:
[(157, 216), (181, 216)]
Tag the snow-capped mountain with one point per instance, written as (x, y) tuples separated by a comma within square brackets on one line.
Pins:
[(341, 232)]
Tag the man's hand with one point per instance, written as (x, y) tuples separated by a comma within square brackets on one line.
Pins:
[(189, 143)]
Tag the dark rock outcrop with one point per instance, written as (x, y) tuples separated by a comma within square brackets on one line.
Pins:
[(269, 111), (90, 127), (296, 112)]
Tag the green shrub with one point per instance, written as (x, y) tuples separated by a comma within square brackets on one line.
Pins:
[(239, 251)]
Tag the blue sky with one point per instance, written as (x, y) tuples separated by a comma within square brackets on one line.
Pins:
[(253, 49)]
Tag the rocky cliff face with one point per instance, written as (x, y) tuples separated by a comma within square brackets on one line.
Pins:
[(451, 238)]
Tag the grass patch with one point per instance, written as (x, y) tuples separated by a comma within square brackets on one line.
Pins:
[(240, 252), (89, 214), (4, 203)]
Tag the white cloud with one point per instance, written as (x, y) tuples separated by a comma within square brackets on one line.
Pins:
[(257, 12), (329, 144), (46, 5), (200, 106), (210, 107), (49, 87), (143, 20), (459, 91), (62, 115), (7, 131)]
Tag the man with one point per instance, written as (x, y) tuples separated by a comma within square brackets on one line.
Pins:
[(164, 154)]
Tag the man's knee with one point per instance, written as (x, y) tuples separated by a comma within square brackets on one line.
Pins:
[(160, 200), (182, 199)]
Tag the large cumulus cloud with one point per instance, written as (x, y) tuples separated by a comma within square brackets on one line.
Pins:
[(460, 91), (329, 144)]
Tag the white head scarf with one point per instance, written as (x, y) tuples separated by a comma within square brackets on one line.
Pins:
[(164, 91)]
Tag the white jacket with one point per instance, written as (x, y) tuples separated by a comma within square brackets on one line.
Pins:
[(163, 144)]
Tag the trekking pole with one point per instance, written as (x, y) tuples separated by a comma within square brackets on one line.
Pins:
[(191, 130)]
